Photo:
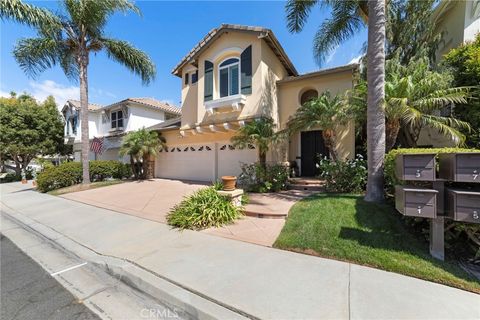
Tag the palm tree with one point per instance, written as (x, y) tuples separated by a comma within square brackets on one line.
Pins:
[(142, 146), (414, 95), (67, 39), (349, 16), (261, 133), (324, 112)]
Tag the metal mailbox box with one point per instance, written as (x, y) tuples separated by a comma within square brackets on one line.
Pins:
[(463, 205), (415, 167), (460, 167), (416, 202)]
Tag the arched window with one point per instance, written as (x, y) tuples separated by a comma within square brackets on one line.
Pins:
[(229, 77), (308, 95)]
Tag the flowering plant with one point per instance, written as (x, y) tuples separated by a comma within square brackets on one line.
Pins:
[(344, 176)]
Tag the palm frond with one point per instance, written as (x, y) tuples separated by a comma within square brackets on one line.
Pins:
[(297, 13), (135, 60), (27, 14), (441, 98), (341, 26), (446, 128), (35, 55), (93, 15)]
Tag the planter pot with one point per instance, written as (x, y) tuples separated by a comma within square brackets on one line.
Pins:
[(229, 183)]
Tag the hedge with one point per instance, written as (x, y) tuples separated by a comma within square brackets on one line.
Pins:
[(70, 173), (391, 180)]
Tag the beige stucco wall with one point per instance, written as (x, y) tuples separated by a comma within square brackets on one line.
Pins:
[(452, 23), (266, 70), (289, 101), (189, 97)]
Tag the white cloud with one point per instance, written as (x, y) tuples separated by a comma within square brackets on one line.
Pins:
[(356, 59), (4, 94), (61, 93), (330, 56), (101, 93)]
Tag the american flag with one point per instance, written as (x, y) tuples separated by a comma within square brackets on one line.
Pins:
[(97, 145)]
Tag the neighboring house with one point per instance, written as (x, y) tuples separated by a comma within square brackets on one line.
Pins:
[(113, 121), (460, 22), (237, 74)]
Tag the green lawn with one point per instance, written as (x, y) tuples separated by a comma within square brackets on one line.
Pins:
[(345, 227), (82, 187)]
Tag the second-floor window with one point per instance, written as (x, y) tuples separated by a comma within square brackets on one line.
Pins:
[(229, 77), (117, 119)]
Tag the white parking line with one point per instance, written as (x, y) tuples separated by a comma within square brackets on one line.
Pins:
[(68, 269)]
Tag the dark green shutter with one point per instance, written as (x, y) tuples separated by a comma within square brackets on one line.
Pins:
[(246, 71), (208, 84)]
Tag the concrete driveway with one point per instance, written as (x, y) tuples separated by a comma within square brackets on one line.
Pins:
[(150, 199), (153, 199)]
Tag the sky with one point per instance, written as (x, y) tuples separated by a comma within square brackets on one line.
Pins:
[(166, 31)]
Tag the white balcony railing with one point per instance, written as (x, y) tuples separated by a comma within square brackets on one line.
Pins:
[(234, 103)]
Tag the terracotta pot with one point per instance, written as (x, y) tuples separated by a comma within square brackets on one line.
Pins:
[(229, 183)]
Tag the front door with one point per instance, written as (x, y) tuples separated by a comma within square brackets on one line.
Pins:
[(311, 147)]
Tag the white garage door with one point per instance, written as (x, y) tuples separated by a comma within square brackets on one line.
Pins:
[(231, 159), (187, 162)]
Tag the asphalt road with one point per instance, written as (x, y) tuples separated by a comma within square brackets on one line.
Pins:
[(28, 292)]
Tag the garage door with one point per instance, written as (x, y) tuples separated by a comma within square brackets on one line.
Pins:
[(187, 162), (230, 159)]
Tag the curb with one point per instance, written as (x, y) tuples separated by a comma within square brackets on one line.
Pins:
[(193, 304)]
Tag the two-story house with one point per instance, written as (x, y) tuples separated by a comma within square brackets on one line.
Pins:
[(237, 74), (112, 122), (459, 21)]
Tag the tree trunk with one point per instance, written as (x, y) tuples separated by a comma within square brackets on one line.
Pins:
[(83, 64), (150, 165), (262, 158), (375, 100), (391, 132), (133, 166), (329, 140)]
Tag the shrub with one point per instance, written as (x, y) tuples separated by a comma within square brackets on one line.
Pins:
[(104, 169), (204, 209), (70, 173), (255, 178), (391, 180), (344, 176), (12, 176)]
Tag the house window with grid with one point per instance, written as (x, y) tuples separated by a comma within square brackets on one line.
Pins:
[(229, 76), (117, 119)]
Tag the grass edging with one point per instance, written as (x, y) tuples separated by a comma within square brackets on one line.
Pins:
[(83, 187), (346, 228)]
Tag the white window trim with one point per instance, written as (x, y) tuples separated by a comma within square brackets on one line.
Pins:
[(116, 120), (226, 67)]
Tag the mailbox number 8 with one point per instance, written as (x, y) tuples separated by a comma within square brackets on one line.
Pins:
[(475, 214)]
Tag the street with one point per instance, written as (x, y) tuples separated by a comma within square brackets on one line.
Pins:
[(28, 292)]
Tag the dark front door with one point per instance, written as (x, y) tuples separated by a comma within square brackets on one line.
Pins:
[(311, 146)]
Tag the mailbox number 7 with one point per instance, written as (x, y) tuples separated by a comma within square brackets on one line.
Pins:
[(475, 174)]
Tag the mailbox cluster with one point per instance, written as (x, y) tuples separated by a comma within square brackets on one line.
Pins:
[(459, 205)]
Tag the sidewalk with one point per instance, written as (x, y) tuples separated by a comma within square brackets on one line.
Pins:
[(260, 282)]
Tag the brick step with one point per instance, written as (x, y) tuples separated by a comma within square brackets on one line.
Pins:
[(306, 181), (263, 214), (305, 187)]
